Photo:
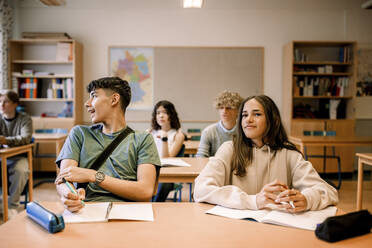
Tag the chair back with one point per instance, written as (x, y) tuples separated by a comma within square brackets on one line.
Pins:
[(52, 130), (193, 130), (181, 153), (157, 168), (319, 133)]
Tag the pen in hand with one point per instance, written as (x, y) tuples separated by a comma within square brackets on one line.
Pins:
[(71, 188)]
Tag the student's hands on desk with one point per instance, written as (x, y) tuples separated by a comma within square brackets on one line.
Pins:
[(277, 195), (72, 202)]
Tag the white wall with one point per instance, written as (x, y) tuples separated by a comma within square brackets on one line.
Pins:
[(98, 24)]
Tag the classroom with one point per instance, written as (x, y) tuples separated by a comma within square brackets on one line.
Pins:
[(312, 58)]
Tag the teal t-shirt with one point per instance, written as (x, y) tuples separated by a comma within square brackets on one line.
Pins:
[(85, 143)]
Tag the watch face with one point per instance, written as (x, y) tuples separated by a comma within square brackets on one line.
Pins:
[(100, 176)]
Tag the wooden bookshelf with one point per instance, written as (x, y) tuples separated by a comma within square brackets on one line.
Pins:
[(313, 74), (40, 55)]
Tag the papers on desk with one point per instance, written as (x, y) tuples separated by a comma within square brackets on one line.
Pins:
[(104, 211), (173, 162), (305, 220)]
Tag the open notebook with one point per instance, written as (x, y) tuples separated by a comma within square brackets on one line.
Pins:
[(305, 220), (173, 162), (104, 211)]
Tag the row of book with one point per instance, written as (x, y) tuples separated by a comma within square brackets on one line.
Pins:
[(320, 86), (44, 88), (324, 109), (60, 88), (345, 54), (28, 88)]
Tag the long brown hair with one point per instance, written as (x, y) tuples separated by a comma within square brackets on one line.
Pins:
[(172, 113), (275, 135)]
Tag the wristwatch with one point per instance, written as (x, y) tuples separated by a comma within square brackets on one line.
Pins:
[(100, 176), (165, 139)]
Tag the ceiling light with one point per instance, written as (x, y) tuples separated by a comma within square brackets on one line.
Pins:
[(192, 3)]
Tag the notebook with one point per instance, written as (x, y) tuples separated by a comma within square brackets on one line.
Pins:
[(104, 211), (304, 220), (173, 162)]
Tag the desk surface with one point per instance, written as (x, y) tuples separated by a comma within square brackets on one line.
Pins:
[(49, 136), (16, 149), (367, 156), (176, 225), (183, 174), (331, 140)]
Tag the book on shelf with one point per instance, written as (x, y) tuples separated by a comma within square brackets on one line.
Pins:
[(304, 220), (46, 35), (104, 211)]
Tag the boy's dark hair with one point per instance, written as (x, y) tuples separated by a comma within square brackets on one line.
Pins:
[(12, 96), (172, 113), (116, 85), (275, 135)]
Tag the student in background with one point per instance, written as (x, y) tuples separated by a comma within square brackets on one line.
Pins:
[(168, 136), (260, 168), (227, 103), (15, 130), (129, 173)]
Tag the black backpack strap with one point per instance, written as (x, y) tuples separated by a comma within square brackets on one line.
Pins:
[(107, 152), (110, 148)]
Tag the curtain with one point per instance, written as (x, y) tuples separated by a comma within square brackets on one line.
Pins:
[(6, 22)]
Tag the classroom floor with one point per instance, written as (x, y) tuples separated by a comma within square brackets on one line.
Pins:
[(347, 194)]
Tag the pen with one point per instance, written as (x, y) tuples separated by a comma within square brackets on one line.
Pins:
[(292, 205), (72, 189)]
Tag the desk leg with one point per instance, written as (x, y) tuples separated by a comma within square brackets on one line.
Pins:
[(4, 171), (30, 175), (360, 185)]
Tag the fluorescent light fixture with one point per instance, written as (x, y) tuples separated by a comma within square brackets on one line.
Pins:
[(192, 3)]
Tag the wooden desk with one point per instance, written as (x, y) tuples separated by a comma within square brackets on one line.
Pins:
[(183, 174), (307, 141), (191, 147), (7, 153), (363, 158), (57, 138), (175, 225)]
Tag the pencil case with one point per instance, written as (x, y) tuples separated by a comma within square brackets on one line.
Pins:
[(45, 218), (345, 226)]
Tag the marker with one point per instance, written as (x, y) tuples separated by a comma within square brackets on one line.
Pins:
[(72, 189), (292, 205)]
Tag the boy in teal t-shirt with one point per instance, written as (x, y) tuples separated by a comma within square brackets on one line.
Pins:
[(129, 173)]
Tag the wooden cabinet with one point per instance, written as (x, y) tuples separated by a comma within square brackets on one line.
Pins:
[(47, 74), (319, 94)]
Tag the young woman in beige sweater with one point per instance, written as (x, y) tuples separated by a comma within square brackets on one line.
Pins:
[(260, 168)]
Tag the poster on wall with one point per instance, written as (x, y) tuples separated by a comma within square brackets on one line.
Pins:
[(135, 65)]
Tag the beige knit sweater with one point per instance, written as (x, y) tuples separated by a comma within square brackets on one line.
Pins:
[(217, 184)]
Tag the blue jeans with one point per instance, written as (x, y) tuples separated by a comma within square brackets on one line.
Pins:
[(17, 176)]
